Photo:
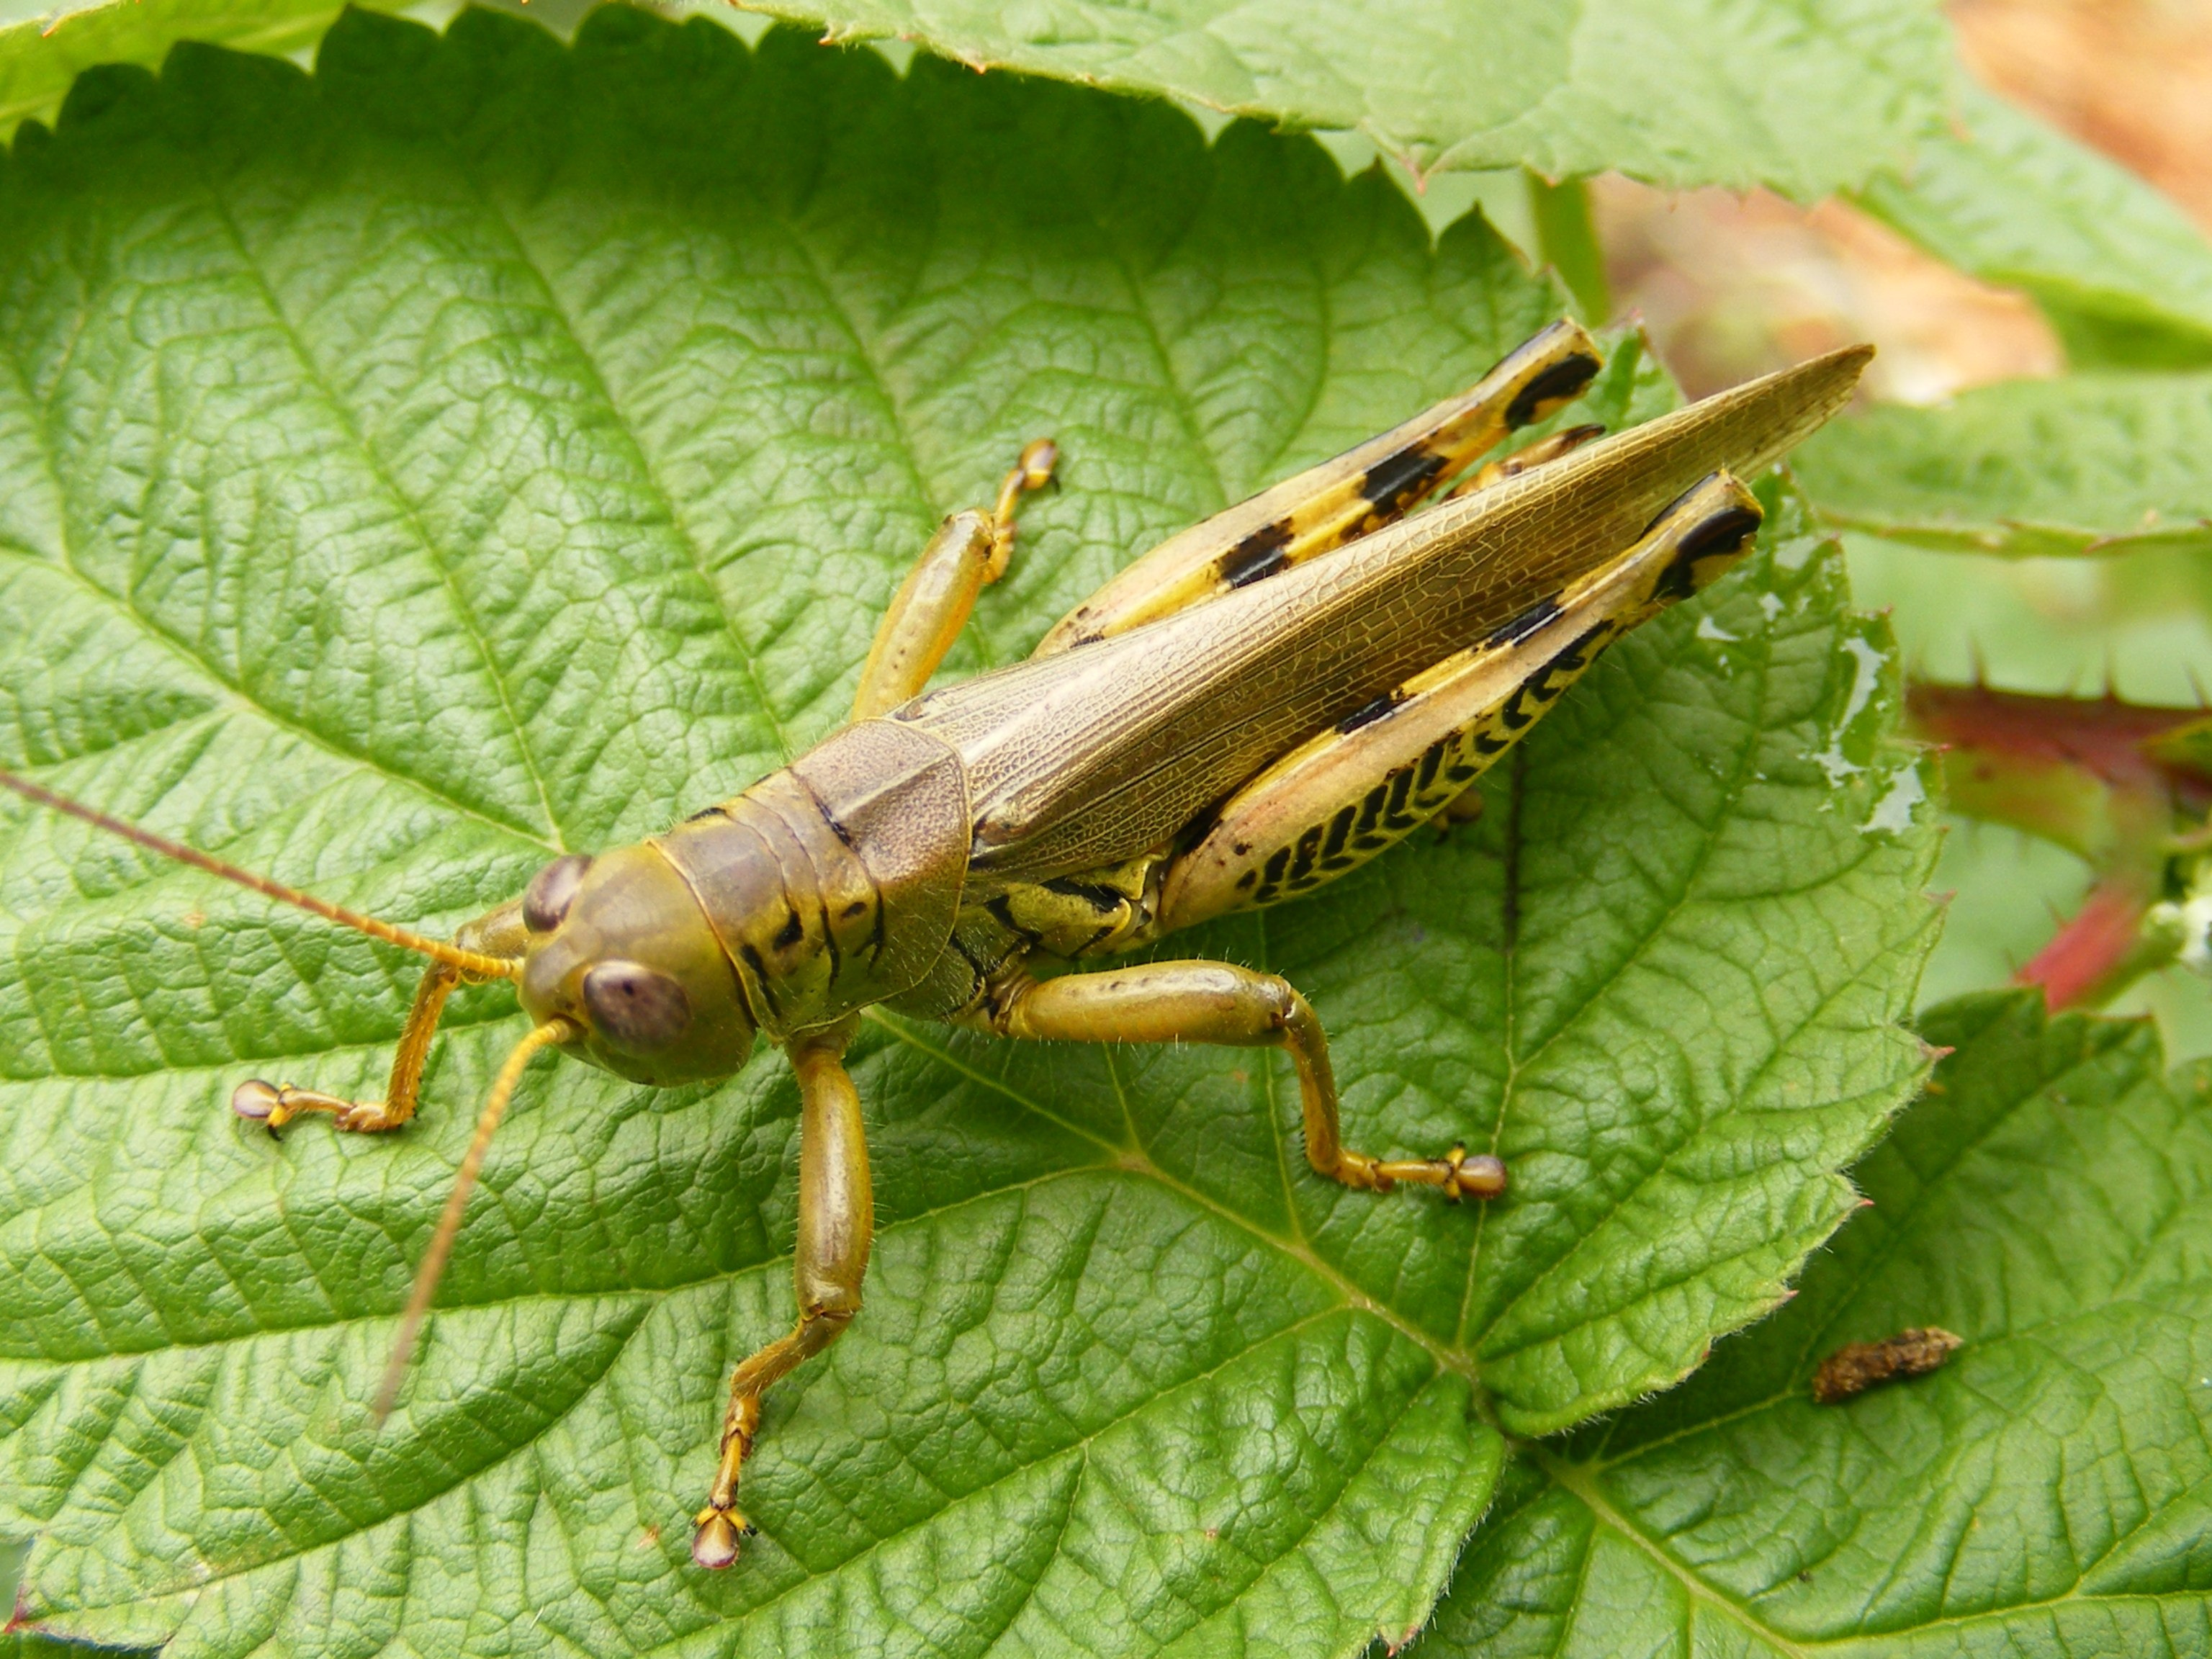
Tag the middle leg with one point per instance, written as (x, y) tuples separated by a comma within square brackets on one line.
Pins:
[(1201, 1001), (837, 1220)]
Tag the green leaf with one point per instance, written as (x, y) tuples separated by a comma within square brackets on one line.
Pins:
[(29, 1644), (2135, 623), (40, 57), (2047, 1493), (2122, 272), (2009, 892), (487, 449), (1803, 95), (2088, 464)]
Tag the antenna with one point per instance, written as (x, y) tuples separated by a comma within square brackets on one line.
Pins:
[(472, 963), (555, 1029)]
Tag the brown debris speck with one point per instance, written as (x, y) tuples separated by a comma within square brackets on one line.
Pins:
[(1863, 1365)]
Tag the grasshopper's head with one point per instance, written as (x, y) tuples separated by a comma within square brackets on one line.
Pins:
[(618, 944)]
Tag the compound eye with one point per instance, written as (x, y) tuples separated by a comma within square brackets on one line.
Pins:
[(635, 1006), (552, 890)]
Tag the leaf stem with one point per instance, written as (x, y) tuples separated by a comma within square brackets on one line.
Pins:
[(1566, 241)]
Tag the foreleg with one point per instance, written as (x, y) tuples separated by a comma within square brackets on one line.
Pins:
[(496, 933)]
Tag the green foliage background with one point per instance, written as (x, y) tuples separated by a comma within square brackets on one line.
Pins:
[(2050, 1492), (488, 446)]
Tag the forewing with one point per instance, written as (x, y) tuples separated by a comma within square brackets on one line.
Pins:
[(1094, 756)]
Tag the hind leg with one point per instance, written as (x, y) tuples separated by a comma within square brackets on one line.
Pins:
[(1323, 508), (1347, 794)]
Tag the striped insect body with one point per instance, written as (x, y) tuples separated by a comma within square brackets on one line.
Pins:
[(1257, 706)]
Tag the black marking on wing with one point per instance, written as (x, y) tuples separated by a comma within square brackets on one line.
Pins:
[(1258, 556), (1529, 701), (1582, 650), (1411, 794), (1402, 785), (1561, 381), (1278, 862), (1723, 533), (1406, 798), (1400, 479), (1431, 758), (791, 932), (1525, 625), (1579, 652), (1542, 689), (1367, 713), (1340, 830)]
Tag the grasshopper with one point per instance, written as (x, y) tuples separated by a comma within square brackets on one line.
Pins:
[(1256, 705)]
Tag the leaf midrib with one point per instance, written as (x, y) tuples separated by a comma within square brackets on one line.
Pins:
[(1899, 1237), (748, 654), (1821, 1336), (1575, 1479), (1572, 1479), (1583, 1479), (1083, 1446), (237, 697)]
